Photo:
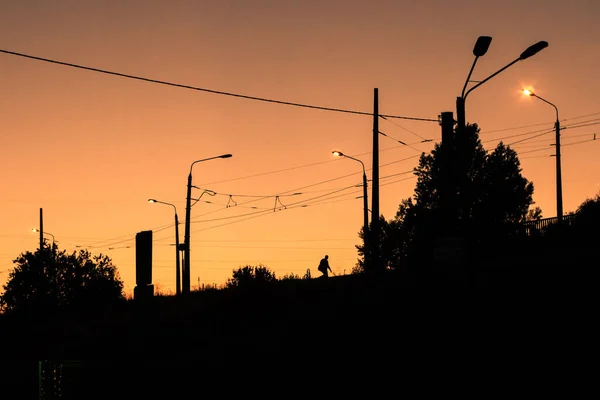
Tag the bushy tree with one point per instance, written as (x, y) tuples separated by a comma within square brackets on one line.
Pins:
[(505, 195), (461, 190), (587, 219), (250, 276), (534, 214), (387, 245), (49, 279)]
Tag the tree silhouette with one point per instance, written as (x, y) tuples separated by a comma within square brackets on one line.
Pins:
[(461, 190), (48, 279), (587, 219), (534, 214), (505, 195), (251, 276), (387, 246)]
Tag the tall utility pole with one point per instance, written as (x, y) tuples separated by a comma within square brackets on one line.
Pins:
[(177, 246), (185, 278), (177, 261), (365, 208), (41, 230), (367, 264), (559, 203), (447, 153), (185, 272), (375, 261)]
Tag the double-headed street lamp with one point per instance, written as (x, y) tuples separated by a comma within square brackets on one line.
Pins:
[(481, 47), (559, 204), (177, 249), (365, 199), (186, 259), (44, 233)]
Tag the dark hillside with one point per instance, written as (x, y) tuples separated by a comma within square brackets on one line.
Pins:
[(343, 325)]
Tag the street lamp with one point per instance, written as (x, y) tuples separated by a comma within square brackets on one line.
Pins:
[(186, 259), (45, 233), (559, 204), (481, 47), (177, 262), (365, 200)]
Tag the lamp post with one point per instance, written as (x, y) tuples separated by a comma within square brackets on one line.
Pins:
[(481, 47), (45, 233), (177, 262), (186, 260), (559, 203), (365, 199)]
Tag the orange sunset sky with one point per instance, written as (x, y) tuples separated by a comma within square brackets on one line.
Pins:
[(91, 148)]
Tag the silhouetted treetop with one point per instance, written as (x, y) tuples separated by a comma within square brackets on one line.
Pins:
[(461, 190), (48, 279), (251, 276)]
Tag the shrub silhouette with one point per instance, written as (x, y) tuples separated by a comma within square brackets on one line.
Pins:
[(48, 279), (251, 276)]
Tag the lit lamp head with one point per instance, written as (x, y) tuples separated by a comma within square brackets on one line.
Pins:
[(528, 92), (151, 201), (337, 153)]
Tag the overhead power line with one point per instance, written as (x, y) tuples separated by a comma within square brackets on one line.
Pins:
[(300, 166), (538, 124), (485, 132), (313, 201), (533, 142), (309, 202), (276, 240), (581, 126), (582, 141), (563, 145), (531, 137), (288, 103), (423, 140), (402, 143)]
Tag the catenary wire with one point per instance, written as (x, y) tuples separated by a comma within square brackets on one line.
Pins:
[(423, 140), (206, 90)]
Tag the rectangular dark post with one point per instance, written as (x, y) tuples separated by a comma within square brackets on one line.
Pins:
[(447, 123), (375, 229), (143, 266), (448, 189)]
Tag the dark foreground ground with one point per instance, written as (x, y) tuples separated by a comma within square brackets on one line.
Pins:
[(396, 333)]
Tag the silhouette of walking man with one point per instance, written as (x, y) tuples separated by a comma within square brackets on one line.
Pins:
[(324, 266)]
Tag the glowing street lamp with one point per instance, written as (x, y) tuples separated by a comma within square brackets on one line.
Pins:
[(559, 204), (177, 262), (481, 47), (186, 259), (365, 199), (45, 233)]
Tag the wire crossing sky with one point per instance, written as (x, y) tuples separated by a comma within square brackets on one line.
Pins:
[(287, 103)]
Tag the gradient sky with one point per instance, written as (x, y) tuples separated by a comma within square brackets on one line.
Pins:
[(90, 149)]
